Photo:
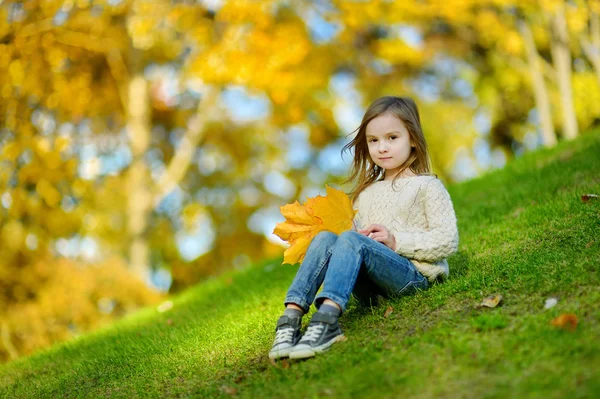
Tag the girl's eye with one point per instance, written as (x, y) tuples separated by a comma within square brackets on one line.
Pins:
[(372, 141), (393, 137)]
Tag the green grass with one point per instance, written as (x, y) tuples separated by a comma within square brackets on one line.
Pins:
[(524, 233)]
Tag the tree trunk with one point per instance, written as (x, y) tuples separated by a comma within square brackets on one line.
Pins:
[(139, 203), (591, 47), (561, 56), (542, 100)]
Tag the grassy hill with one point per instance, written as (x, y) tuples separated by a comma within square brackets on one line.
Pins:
[(524, 233)]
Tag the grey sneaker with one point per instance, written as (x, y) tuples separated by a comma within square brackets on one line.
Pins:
[(322, 332), (287, 334)]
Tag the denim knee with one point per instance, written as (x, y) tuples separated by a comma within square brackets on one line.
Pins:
[(324, 238), (352, 238)]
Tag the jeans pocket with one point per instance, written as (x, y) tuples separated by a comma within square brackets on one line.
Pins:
[(413, 286)]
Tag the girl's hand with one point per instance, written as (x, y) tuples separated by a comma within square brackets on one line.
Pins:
[(381, 234)]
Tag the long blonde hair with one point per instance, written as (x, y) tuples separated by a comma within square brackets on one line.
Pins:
[(364, 170)]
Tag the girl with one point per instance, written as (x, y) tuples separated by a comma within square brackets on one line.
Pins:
[(405, 228)]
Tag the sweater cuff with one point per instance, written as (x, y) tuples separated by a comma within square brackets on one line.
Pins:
[(405, 243)]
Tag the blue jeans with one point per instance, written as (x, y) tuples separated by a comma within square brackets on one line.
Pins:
[(351, 263)]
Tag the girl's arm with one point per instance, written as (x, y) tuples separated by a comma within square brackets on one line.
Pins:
[(441, 240)]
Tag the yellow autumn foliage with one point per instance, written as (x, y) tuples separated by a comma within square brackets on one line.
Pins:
[(70, 299), (303, 222)]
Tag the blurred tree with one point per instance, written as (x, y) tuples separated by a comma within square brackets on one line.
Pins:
[(257, 45), (81, 72), (85, 66), (485, 34), (117, 120)]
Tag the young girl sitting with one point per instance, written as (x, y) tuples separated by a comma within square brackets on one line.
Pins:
[(405, 229)]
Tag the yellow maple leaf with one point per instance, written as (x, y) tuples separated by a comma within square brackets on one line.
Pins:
[(303, 222)]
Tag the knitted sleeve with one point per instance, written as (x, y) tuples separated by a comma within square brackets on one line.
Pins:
[(441, 238)]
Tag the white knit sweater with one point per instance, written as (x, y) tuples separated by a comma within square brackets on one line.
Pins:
[(419, 213)]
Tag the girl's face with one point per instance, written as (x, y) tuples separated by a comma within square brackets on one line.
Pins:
[(389, 143)]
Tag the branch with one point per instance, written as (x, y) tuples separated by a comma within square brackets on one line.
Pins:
[(547, 69), (183, 156), (107, 47), (78, 39), (36, 28), (591, 52), (120, 74), (82, 40)]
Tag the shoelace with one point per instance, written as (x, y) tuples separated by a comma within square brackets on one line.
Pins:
[(313, 332), (283, 335)]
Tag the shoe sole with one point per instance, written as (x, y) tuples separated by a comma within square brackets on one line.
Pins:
[(280, 353), (310, 352)]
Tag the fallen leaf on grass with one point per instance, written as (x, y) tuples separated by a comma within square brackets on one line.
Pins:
[(550, 302), (388, 311), (303, 222), (491, 301), (163, 307), (566, 321), (229, 390), (587, 197)]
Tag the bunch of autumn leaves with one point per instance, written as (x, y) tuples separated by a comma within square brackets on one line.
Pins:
[(303, 222)]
